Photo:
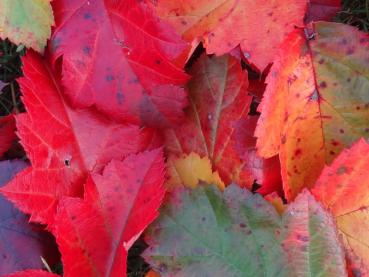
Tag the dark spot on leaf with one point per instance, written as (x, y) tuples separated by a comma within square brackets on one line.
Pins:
[(344, 41), (348, 80), (298, 152), (332, 153), (87, 50), (335, 143), (109, 78), (341, 170), (184, 22), (270, 13), (138, 180), (323, 84), (87, 15), (120, 97), (342, 131), (158, 61), (203, 218), (356, 272), (358, 108), (73, 217), (242, 225), (302, 238), (55, 43), (321, 61), (367, 130)]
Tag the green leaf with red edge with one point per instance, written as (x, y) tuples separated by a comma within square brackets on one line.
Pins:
[(17, 234), (95, 234), (26, 22), (259, 27), (218, 97), (63, 144), (204, 232), (120, 58), (7, 133), (316, 102), (32, 273), (343, 188)]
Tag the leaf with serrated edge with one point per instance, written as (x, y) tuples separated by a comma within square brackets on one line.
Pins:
[(343, 188), (26, 22), (316, 102)]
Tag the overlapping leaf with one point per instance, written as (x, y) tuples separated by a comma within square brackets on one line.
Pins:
[(120, 58), (202, 232), (266, 172), (218, 97), (26, 22), (16, 234), (62, 144), (95, 234), (190, 170), (316, 102), (343, 188), (259, 27)]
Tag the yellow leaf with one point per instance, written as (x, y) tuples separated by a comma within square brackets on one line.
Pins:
[(189, 170)]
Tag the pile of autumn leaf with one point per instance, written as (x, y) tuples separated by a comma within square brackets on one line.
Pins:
[(127, 117)]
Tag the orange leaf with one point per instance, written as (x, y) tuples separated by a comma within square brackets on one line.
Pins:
[(310, 112), (258, 27), (343, 188)]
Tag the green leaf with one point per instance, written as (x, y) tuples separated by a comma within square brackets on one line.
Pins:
[(205, 232), (26, 22), (310, 239)]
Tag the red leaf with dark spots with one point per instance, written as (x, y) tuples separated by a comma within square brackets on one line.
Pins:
[(119, 57)]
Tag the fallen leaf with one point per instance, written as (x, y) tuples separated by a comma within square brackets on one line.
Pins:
[(311, 240), (120, 58), (190, 170), (266, 172), (26, 22), (218, 97), (204, 232), (258, 27), (316, 102), (63, 144), (343, 188), (16, 234), (95, 234)]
